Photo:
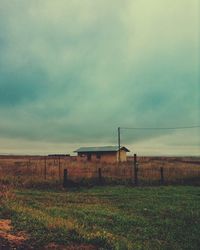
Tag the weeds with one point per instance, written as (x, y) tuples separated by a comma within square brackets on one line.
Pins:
[(109, 217)]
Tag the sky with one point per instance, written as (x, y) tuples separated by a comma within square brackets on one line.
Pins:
[(72, 71)]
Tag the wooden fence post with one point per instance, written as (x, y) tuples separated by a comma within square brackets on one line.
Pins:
[(100, 175), (45, 168), (65, 178), (161, 176), (59, 169), (135, 170)]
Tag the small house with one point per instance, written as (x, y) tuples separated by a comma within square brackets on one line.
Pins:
[(109, 154)]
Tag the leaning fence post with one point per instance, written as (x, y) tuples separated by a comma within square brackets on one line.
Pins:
[(99, 175), (135, 170), (65, 178), (161, 176)]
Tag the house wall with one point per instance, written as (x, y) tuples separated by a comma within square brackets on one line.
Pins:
[(123, 156), (109, 157)]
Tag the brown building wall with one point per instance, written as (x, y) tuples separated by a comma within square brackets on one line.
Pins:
[(109, 157)]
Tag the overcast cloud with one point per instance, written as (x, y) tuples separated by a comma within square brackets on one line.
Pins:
[(71, 72)]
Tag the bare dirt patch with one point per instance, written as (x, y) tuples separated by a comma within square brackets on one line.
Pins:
[(5, 225), (9, 240)]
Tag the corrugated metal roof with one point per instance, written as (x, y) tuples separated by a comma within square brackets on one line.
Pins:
[(100, 149)]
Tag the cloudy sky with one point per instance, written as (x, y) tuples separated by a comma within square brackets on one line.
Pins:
[(72, 71)]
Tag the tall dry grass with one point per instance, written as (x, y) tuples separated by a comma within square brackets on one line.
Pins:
[(49, 171)]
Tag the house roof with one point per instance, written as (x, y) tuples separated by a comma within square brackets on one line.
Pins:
[(100, 149)]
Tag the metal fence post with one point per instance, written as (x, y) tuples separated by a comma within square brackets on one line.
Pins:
[(100, 175), (135, 170), (65, 178), (161, 176)]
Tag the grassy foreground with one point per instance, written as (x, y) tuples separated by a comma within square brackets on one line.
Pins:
[(108, 217)]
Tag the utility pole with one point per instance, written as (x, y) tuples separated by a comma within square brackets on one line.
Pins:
[(119, 145)]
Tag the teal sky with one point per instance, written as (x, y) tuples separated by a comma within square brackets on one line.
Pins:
[(72, 71)]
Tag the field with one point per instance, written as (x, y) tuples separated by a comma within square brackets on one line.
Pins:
[(116, 217), (26, 170), (36, 212)]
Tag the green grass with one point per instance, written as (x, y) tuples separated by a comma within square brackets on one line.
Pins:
[(109, 217)]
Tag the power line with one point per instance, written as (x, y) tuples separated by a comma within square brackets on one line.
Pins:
[(163, 128), (148, 128)]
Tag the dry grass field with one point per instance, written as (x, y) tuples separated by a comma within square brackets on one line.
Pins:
[(26, 169)]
